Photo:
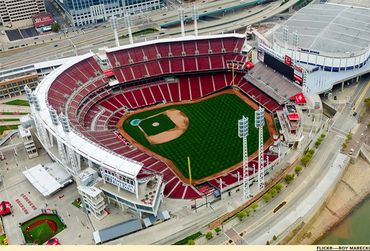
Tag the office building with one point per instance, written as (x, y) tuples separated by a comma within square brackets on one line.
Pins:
[(84, 12), (16, 13)]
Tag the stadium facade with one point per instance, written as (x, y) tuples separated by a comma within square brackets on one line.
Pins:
[(77, 106), (331, 48), (84, 12)]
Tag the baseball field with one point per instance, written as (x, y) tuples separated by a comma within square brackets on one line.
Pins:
[(41, 228), (205, 130)]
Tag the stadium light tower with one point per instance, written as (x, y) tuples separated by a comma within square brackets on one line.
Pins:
[(35, 107), (243, 134), (55, 121), (259, 122), (114, 27), (195, 19), (182, 19), (71, 154), (128, 25)]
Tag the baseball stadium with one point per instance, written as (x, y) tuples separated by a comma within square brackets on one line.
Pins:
[(164, 112)]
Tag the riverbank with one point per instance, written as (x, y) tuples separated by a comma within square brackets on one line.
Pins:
[(351, 190)]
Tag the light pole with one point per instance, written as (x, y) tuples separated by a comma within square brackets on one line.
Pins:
[(243, 127), (74, 46), (259, 123)]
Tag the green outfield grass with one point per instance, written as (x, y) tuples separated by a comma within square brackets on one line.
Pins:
[(41, 233), (164, 124), (19, 102), (211, 140)]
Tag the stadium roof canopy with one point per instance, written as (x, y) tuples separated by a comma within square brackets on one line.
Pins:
[(328, 29), (81, 144)]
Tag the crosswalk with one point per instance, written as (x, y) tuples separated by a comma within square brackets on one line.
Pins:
[(234, 236)]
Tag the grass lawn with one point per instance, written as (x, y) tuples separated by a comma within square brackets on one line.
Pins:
[(190, 237), (41, 233), (164, 124), (76, 203), (7, 127), (7, 120), (2, 237), (12, 113), (18, 102), (211, 140)]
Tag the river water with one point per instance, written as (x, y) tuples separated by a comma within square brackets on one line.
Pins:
[(354, 230)]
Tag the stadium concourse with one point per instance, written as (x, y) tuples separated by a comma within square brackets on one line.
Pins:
[(91, 103)]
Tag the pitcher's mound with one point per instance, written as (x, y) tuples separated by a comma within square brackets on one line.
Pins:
[(181, 121)]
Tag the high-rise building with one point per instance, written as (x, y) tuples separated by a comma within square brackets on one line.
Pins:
[(83, 12), (19, 13)]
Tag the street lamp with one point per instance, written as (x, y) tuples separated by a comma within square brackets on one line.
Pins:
[(74, 46)]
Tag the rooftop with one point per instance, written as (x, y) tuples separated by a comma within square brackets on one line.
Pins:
[(48, 178), (358, 3), (148, 191), (329, 29), (91, 191), (77, 141), (117, 230)]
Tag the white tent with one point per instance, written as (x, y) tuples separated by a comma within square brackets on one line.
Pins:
[(42, 180)]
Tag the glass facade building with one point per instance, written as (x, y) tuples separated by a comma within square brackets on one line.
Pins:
[(84, 12)]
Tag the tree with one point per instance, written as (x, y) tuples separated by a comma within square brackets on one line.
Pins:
[(273, 192), (267, 242), (367, 103), (310, 152), (209, 235), (297, 170), (289, 177), (318, 142), (247, 211), (349, 136), (217, 230), (191, 242), (306, 159), (266, 197), (240, 215), (254, 206), (278, 187), (274, 237), (55, 27)]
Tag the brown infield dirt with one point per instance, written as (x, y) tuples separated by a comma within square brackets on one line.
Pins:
[(269, 121), (179, 119)]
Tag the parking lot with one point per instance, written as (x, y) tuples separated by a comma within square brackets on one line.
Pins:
[(18, 34)]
